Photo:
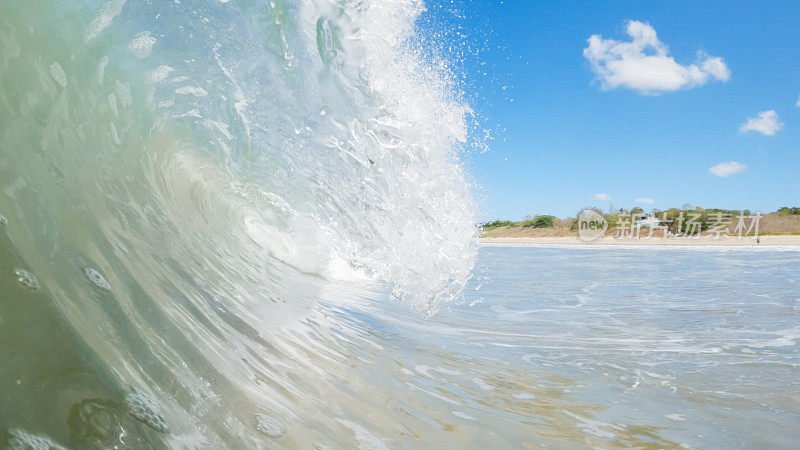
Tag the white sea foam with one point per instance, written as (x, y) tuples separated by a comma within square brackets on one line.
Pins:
[(101, 69), (58, 74), (269, 426), (22, 440), (366, 440), (112, 103), (104, 18), (27, 279), (142, 44), (114, 133), (191, 90), (123, 91), (160, 73), (146, 410), (96, 278)]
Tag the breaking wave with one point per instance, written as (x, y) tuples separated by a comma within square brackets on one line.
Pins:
[(180, 180)]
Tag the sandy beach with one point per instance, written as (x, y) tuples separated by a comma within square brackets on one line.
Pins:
[(766, 241)]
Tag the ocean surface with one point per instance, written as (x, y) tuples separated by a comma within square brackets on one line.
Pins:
[(549, 347), (247, 224)]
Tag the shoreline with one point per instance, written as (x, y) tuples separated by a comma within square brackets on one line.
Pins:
[(766, 241)]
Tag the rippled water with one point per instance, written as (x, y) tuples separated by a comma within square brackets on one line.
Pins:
[(659, 347), (561, 347)]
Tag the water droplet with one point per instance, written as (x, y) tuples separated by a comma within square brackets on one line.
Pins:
[(96, 278), (22, 440), (269, 426), (27, 279), (146, 410)]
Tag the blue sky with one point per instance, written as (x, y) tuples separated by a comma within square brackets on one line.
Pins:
[(628, 127)]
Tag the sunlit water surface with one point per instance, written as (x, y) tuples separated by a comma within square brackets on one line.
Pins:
[(552, 347)]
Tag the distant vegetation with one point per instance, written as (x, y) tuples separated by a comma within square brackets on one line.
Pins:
[(498, 224), (540, 222), (686, 219), (535, 222), (786, 210)]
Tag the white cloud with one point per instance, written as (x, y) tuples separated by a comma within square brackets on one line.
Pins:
[(727, 169), (643, 63), (798, 101), (602, 197), (644, 201), (715, 66), (766, 123)]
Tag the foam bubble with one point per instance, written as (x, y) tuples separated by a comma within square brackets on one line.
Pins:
[(112, 103), (114, 134), (146, 410), (269, 426), (142, 44), (366, 440), (160, 74), (123, 93), (27, 279), (22, 440), (58, 74), (101, 69), (104, 17), (193, 90), (96, 278)]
